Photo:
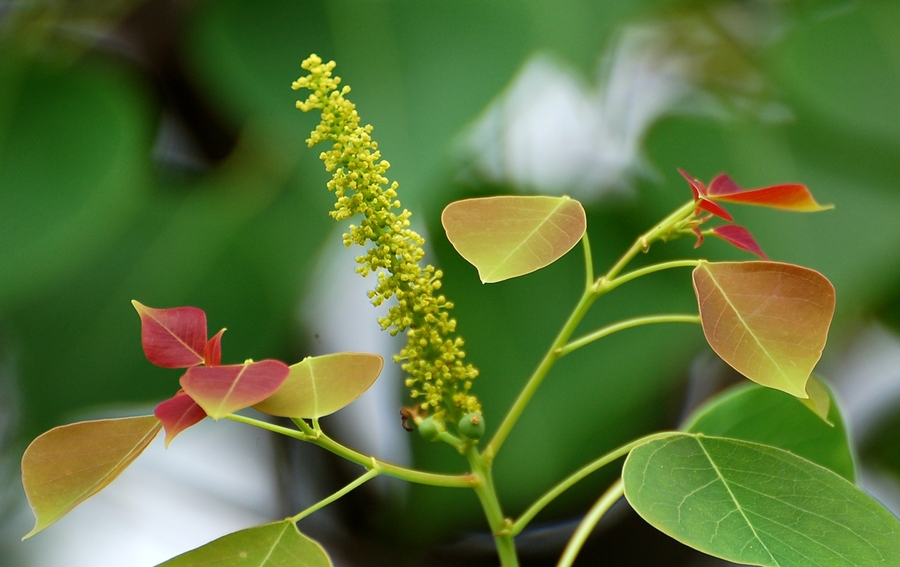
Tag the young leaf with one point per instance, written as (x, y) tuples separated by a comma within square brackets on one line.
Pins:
[(767, 416), (321, 385), (172, 338), (212, 352), (67, 465), (769, 321), (789, 197), (505, 237), (740, 237), (699, 191), (178, 413), (757, 505), (278, 544), (223, 390)]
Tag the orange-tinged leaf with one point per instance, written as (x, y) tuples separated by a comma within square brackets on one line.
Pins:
[(67, 465), (789, 197), (223, 390), (321, 385), (510, 236), (768, 320), (172, 338), (178, 413)]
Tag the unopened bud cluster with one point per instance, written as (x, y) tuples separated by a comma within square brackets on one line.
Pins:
[(433, 356)]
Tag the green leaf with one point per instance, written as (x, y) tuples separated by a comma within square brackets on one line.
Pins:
[(757, 505), (278, 544), (767, 416), (320, 385), (505, 237), (769, 321), (67, 465)]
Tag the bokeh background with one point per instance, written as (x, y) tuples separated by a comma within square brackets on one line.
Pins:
[(151, 150)]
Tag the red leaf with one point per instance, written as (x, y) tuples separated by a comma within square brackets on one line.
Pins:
[(222, 390), (700, 192), (697, 186), (723, 185), (715, 209), (699, 234), (789, 197), (740, 237), (178, 413), (212, 352), (172, 338)]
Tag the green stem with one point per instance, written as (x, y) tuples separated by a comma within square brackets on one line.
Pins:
[(588, 261), (370, 474), (534, 382), (319, 438), (487, 495), (626, 324), (644, 241), (608, 285), (610, 497), (577, 476)]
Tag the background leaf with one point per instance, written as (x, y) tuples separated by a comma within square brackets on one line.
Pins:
[(222, 390), (743, 307), (763, 415), (278, 544), (757, 505), (505, 237), (320, 385), (68, 464)]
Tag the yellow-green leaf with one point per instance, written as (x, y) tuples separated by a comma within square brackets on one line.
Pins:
[(67, 465), (768, 320), (320, 385), (510, 236), (271, 545)]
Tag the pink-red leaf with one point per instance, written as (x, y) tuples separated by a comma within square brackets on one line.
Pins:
[(178, 413), (713, 208), (700, 191), (223, 390), (769, 321), (740, 237), (67, 465), (212, 352), (172, 338), (789, 197)]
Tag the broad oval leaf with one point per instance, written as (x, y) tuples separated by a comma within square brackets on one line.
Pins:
[(178, 413), (172, 338), (68, 464), (767, 416), (321, 385), (768, 320), (757, 505), (223, 390), (510, 236), (278, 544)]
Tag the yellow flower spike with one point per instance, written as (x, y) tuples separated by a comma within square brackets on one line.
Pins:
[(433, 358)]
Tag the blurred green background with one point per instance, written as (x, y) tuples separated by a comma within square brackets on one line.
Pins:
[(151, 151)]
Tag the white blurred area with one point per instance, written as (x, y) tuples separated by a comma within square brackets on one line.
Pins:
[(215, 478), (552, 133)]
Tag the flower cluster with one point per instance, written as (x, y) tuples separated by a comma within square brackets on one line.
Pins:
[(433, 357)]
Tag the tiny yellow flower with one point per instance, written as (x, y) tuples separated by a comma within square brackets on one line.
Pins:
[(433, 358)]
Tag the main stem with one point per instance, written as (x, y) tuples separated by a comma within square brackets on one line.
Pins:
[(487, 495)]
